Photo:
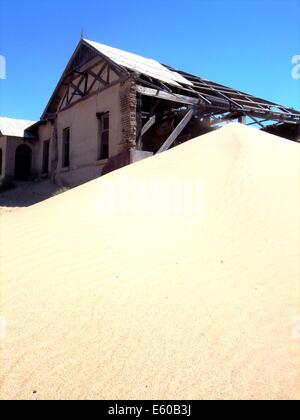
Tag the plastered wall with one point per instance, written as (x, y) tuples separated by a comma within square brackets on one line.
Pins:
[(9, 146), (84, 134)]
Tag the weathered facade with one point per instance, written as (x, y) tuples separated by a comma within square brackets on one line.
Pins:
[(18, 150), (111, 108)]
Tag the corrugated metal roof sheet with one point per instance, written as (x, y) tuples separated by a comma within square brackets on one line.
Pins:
[(146, 66), (13, 127)]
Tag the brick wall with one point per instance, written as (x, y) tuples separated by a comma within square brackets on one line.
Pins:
[(128, 113)]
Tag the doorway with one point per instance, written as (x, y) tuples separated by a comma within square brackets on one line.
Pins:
[(23, 163)]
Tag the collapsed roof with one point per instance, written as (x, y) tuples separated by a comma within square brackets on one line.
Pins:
[(139, 64), (164, 82)]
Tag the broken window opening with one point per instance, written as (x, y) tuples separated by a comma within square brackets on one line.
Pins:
[(0, 162), (103, 149), (46, 149), (66, 148)]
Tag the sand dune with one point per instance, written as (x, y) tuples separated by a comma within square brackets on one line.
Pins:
[(154, 303)]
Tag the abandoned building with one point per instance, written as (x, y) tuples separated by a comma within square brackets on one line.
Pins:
[(111, 108)]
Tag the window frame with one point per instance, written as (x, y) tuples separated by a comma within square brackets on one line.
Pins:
[(1, 161), (65, 163), (103, 130), (46, 143)]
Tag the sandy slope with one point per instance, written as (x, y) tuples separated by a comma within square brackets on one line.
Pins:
[(149, 306)]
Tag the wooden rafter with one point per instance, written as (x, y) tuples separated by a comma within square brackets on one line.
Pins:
[(97, 77), (168, 96), (80, 86), (226, 98), (180, 127), (83, 62), (148, 124)]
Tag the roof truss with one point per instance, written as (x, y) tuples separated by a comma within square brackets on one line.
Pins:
[(204, 96), (210, 96)]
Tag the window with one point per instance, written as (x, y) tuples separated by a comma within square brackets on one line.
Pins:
[(66, 148), (46, 148), (103, 151)]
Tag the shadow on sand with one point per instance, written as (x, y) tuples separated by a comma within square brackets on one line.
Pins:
[(26, 194)]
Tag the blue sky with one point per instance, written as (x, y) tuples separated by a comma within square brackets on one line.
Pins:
[(246, 44)]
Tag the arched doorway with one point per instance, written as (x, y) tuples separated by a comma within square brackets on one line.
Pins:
[(23, 163)]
